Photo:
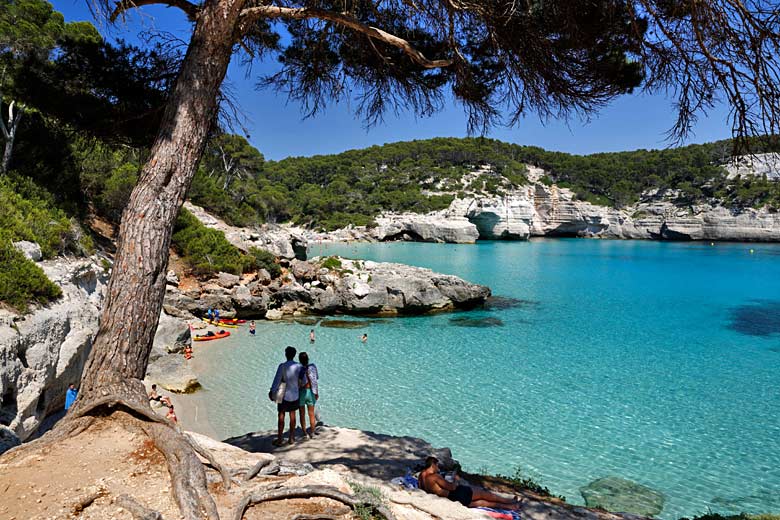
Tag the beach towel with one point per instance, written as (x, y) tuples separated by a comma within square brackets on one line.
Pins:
[(503, 514), (408, 481)]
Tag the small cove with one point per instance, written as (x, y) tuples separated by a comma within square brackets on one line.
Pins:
[(655, 362)]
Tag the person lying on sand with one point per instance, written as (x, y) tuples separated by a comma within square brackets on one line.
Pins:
[(431, 482)]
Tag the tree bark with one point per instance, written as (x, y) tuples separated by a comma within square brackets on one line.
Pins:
[(135, 293)]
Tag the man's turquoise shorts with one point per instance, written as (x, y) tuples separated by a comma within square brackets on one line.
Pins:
[(307, 398)]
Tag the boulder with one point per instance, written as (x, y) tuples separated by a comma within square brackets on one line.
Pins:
[(30, 249), (303, 271), (326, 301), (173, 373), (291, 293), (172, 279), (617, 494), (242, 296), (227, 280), (274, 314), (180, 305), (263, 277), (173, 334)]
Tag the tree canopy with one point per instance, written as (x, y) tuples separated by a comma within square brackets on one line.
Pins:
[(503, 60)]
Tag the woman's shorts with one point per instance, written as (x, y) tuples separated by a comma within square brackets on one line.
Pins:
[(307, 397)]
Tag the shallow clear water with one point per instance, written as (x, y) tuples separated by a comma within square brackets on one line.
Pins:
[(656, 362)]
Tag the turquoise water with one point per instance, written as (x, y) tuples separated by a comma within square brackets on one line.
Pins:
[(656, 362)]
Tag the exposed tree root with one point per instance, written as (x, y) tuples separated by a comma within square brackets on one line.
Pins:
[(188, 478), (252, 473), (206, 454), (137, 509), (117, 401), (307, 492)]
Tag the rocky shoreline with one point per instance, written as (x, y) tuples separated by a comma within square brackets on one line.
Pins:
[(541, 210), (326, 286)]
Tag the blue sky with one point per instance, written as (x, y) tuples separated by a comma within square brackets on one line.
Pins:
[(278, 130)]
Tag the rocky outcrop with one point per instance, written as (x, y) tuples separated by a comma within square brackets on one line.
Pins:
[(332, 286), (282, 241), (42, 352), (756, 165), (539, 210), (365, 287), (425, 228)]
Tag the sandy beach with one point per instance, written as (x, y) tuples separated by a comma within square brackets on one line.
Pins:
[(190, 408)]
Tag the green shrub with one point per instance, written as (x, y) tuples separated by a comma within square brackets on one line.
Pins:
[(262, 259), (369, 497), (27, 212), (332, 262), (205, 250), (21, 281)]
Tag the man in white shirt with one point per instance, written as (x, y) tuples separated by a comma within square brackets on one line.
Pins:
[(288, 373)]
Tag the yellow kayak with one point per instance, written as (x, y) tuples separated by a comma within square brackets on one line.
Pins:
[(218, 324)]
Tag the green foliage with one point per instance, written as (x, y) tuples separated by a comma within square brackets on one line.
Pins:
[(107, 175), (369, 496), (332, 262), (205, 250), (262, 259), (523, 481), (21, 281), (29, 26), (224, 183), (27, 212)]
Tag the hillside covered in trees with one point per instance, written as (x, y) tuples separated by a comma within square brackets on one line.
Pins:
[(331, 191)]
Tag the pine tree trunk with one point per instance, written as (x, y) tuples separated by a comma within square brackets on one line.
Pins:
[(136, 290)]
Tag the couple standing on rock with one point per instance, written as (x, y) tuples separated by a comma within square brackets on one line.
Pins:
[(294, 389)]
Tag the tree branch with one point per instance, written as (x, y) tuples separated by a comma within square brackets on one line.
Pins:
[(251, 14), (190, 9)]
